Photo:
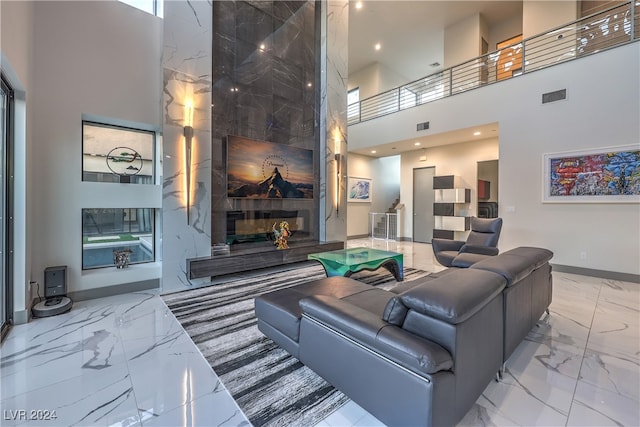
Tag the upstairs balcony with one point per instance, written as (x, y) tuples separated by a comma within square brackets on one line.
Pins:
[(610, 28)]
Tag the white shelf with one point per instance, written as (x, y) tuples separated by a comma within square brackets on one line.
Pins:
[(451, 223), (451, 195)]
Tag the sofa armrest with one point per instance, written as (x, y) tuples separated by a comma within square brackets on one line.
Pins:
[(440, 245), (414, 353), (480, 250)]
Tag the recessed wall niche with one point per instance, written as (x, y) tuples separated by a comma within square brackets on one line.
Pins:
[(265, 87)]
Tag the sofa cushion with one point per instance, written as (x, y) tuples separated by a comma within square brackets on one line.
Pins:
[(515, 264), (467, 259), (373, 300), (420, 355), (537, 256), (409, 350), (456, 296), (281, 310), (395, 312)]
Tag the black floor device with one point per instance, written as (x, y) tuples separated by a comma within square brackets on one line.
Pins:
[(55, 291)]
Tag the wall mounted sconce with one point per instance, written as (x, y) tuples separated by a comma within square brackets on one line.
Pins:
[(188, 138)]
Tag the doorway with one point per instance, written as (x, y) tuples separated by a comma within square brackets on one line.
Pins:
[(488, 189), (423, 199)]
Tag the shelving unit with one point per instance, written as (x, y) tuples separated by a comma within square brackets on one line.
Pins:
[(450, 199)]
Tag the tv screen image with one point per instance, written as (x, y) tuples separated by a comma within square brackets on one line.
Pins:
[(266, 170)]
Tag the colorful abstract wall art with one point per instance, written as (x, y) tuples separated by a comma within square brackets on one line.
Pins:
[(602, 175)]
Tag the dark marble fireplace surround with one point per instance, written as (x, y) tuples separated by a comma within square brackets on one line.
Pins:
[(266, 86)]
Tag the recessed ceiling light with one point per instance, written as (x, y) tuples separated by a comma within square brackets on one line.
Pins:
[(373, 151), (358, 5), (262, 46), (309, 84), (416, 143), (477, 133), (378, 46)]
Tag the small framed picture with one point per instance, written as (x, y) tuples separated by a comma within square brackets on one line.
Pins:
[(359, 190)]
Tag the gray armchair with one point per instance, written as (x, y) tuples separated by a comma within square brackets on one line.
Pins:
[(481, 243)]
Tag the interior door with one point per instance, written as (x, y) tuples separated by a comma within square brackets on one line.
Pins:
[(510, 61), (423, 198)]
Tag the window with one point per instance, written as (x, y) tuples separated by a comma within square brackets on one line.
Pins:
[(434, 88), (154, 7), (6, 193), (408, 98), (353, 105), (117, 154), (116, 229)]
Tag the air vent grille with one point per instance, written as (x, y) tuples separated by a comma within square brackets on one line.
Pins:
[(558, 95), (422, 126)]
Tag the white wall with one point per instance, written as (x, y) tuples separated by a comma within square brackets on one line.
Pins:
[(462, 41), (457, 159), (16, 59), (100, 59), (504, 31), (375, 79), (608, 233), (539, 16), (385, 173)]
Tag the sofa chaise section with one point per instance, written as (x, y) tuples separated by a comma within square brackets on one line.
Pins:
[(417, 358)]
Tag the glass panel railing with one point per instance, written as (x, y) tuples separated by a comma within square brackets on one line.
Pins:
[(613, 27)]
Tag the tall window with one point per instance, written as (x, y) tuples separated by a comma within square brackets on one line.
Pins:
[(353, 105), (108, 231), (122, 155), (6, 191), (117, 154), (154, 7), (408, 98)]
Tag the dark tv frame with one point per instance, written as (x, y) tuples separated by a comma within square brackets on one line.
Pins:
[(277, 153)]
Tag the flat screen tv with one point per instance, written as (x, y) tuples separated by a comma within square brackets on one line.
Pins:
[(266, 170)]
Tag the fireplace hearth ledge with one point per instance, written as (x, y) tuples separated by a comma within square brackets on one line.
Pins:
[(246, 259)]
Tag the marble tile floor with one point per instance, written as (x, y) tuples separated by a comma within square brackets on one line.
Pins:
[(126, 361)]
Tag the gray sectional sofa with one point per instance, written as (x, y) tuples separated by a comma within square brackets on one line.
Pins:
[(423, 353)]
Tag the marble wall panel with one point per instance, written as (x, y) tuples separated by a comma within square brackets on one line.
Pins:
[(187, 68), (333, 118), (265, 49)]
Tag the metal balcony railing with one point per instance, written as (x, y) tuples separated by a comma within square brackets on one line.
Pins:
[(615, 26)]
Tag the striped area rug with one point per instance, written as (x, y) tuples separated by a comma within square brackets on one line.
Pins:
[(270, 386)]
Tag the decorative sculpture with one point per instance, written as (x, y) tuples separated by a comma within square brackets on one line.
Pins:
[(121, 257), (281, 234)]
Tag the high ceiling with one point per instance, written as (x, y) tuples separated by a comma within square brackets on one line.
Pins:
[(411, 34)]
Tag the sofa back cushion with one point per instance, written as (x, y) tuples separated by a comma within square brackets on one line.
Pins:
[(395, 312), (484, 231), (515, 264), (452, 298)]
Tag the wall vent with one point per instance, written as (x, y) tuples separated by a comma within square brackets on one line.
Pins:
[(558, 95), (422, 126)]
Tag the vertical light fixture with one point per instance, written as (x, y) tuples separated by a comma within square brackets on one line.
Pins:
[(188, 138), (336, 150)]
